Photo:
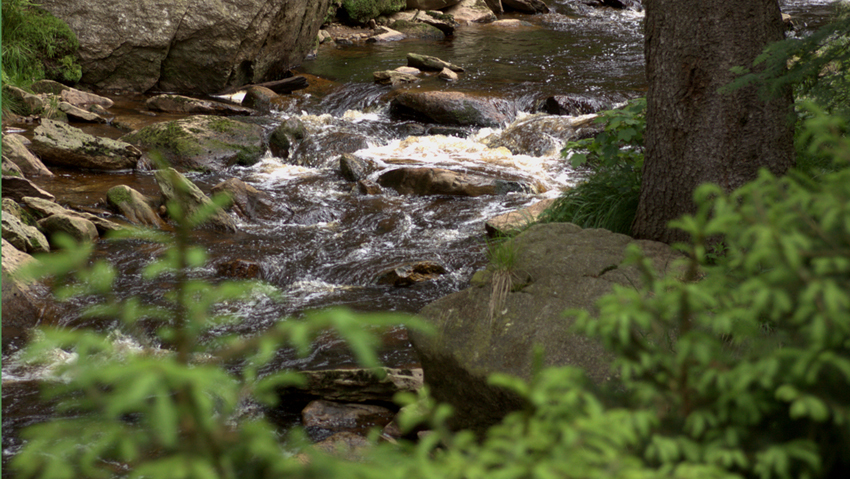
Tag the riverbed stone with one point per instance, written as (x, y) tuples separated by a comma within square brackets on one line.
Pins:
[(409, 274), (23, 303), (133, 205), (427, 62), (452, 108), (28, 104), (354, 168), (471, 11), (239, 269), (321, 149), (22, 236), (57, 143), (564, 267), (7, 168), (140, 46), (447, 75), (78, 228), (430, 4), (18, 188), (574, 105), (176, 187), (394, 78), (419, 30), (331, 416), (386, 34), (15, 150), (245, 200), (525, 6), (194, 106), (441, 181), (202, 142)]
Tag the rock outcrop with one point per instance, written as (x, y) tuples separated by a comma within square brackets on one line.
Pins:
[(194, 106), (189, 46), (558, 266), (202, 142), (15, 150)]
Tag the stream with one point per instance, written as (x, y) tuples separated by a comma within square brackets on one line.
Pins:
[(329, 244)]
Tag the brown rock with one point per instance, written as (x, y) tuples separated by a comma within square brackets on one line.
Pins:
[(334, 416), (408, 274), (133, 205), (239, 269), (245, 200), (185, 104), (516, 221), (18, 188), (80, 229), (15, 150), (439, 181)]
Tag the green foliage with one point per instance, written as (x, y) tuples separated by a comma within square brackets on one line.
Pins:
[(36, 45), (608, 197), (170, 412), (362, 11)]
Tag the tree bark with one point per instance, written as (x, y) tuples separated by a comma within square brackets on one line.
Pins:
[(694, 133)]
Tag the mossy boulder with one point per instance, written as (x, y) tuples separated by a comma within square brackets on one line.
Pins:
[(57, 143), (202, 142), (133, 205), (178, 188), (557, 267), (418, 30), (364, 10)]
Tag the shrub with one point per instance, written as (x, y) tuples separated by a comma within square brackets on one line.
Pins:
[(608, 196), (37, 45)]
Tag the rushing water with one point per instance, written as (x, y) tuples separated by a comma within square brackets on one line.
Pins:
[(328, 244)]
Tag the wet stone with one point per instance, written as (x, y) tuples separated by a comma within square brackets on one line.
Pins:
[(239, 269), (408, 274)]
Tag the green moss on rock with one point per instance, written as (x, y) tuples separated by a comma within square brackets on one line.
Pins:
[(364, 10)]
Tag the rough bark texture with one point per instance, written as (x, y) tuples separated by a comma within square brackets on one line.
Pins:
[(189, 46), (694, 134)]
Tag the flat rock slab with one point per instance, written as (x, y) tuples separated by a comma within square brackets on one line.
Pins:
[(440, 181), (61, 144), (195, 106), (516, 221)]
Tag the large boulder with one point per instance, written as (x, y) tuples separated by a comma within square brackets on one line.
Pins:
[(557, 267), (18, 188), (61, 144), (15, 150), (245, 200), (43, 208), (23, 303), (452, 108), (202, 142), (176, 187), (77, 227), (440, 181), (189, 46)]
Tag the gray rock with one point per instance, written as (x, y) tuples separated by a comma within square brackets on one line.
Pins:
[(176, 187), (259, 98), (15, 150), (84, 99), (452, 108), (23, 304), (143, 45), (49, 86), (76, 113), (384, 34), (558, 266), (194, 106), (60, 144), (440, 181), (78, 228), (574, 105), (354, 168), (447, 75), (133, 205), (18, 188), (323, 147), (7, 168), (22, 236), (245, 200), (202, 142), (44, 207), (334, 416), (418, 29), (516, 221)]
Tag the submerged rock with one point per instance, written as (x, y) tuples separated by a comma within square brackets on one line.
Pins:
[(409, 274), (536, 135), (574, 105), (245, 200), (322, 417), (61, 144), (425, 62), (202, 142), (562, 267), (394, 78)]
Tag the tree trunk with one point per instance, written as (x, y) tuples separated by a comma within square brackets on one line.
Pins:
[(695, 134)]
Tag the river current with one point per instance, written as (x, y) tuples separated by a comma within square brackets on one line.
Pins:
[(328, 244)]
